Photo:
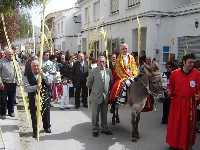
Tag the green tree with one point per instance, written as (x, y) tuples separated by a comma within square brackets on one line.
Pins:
[(8, 6), (25, 25), (12, 28), (13, 21)]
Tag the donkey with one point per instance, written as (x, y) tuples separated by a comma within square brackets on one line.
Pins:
[(148, 82)]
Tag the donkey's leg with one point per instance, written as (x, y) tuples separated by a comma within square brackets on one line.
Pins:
[(137, 124), (117, 113), (133, 122)]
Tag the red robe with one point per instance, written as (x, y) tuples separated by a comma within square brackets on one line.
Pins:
[(181, 129), (120, 72)]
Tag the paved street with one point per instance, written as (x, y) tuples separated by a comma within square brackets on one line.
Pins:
[(10, 135), (71, 130)]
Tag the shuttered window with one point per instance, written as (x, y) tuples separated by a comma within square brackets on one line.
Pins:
[(96, 10), (114, 6), (188, 44), (132, 3), (87, 15)]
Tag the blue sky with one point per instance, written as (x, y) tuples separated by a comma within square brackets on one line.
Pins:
[(52, 6)]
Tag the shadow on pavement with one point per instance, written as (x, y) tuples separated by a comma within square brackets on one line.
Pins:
[(9, 128), (86, 138)]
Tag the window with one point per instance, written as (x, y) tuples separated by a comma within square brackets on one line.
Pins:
[(63, 46), (114, 6), (86, 15), (62, 29), (96, 10), (58, 28), (135, 39), (165, 53), (132, 3)]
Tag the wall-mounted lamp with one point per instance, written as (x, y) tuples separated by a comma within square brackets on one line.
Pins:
[(196, 24), (77, 19)]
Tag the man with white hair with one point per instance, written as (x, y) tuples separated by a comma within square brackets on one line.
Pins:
[(99, 81), (8, 83), (125, 68), (31, 86)]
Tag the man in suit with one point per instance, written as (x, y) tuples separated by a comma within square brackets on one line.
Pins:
[(79, 76), (31, 86), (99, 82)]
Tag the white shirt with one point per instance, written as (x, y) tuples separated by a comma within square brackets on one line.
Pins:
[(103, 74), (125, 57)]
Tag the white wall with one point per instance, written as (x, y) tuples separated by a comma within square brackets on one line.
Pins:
[(160, 31), (67, 40)]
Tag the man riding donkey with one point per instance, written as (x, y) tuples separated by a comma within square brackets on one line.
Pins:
[(125, 70)]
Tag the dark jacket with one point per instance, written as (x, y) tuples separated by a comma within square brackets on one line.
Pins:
[(79, 73), (66, 71)]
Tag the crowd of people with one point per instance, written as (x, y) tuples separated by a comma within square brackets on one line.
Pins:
[(92, 82)]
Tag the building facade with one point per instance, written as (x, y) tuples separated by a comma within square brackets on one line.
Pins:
[(64, 30), (167, 26), (30, 44)]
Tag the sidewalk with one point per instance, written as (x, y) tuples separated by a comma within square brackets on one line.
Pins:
[(10, 135)]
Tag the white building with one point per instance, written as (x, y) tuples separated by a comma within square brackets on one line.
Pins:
[(168, 26), (29, 44), (64, 29)]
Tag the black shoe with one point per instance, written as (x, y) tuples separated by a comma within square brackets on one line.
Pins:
[(95, 134), (107, 132), (86, 106), (62, 108), (48, 130), (134, 139), (11, 115), (34, 135), (77, 107)]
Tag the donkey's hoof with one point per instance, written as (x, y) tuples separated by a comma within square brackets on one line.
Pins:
[(134, 139)]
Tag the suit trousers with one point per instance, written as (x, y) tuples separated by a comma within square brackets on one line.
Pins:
[(45, 112), (99, 109), (81, 87), (3, 103), (9, 96)]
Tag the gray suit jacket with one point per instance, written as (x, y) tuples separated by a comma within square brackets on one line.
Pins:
[(96, 84)]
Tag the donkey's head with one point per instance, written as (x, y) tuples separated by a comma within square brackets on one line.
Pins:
[(154, 80)]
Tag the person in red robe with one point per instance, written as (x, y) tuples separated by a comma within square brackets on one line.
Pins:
[(184, 91)]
